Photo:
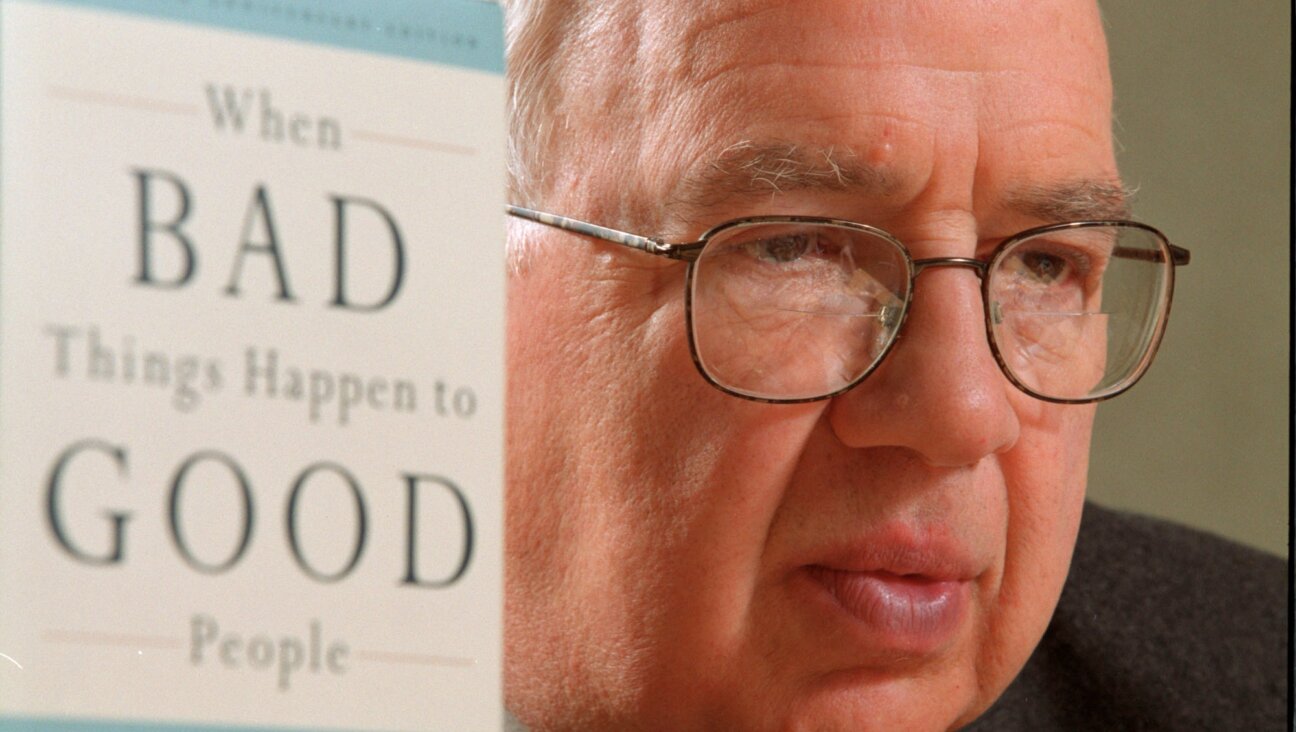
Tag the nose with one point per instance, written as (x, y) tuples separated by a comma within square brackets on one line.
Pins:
[(939, 393)]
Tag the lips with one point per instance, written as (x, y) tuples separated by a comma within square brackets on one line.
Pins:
[(903, 601), (908, 607)]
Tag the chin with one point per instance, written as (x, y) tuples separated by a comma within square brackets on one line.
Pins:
[(871, 710)]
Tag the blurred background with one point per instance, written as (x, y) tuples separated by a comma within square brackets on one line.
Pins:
[(1203, 130)]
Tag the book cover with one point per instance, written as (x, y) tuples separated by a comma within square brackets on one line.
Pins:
[(251, 364)]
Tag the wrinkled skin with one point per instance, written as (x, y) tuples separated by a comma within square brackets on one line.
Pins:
[(659, 532)]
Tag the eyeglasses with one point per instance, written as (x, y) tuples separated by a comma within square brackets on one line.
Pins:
[(792, 309)]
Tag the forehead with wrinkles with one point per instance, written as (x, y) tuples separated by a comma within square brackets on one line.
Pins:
[(643, 101)]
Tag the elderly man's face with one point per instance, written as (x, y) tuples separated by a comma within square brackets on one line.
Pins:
[(678, 558)]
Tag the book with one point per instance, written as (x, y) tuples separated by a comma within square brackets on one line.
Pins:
[(251, 364)]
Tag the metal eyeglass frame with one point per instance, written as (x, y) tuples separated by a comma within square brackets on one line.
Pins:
[(690, 251)]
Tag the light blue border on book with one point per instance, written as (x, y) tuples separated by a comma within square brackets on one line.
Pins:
[(32, 724), (464, 33)]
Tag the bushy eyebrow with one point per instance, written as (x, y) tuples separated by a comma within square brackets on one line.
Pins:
[(1077, 200), (749, 169), (746, 169)]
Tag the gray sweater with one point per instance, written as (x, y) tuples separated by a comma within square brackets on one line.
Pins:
[(1159, 627)]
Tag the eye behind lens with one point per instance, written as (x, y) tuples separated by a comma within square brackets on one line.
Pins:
[(1077, 312), (792, 311)]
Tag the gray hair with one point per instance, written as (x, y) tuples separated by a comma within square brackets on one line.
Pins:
[(533, 35)]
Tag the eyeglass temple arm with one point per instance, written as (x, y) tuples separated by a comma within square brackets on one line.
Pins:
[(1178, 255), (688, 251), (647, 244)]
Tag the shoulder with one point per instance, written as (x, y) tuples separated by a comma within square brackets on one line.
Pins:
[(1181, 573), (1159, 627)]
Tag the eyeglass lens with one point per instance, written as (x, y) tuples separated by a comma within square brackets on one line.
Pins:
[(790, 311)]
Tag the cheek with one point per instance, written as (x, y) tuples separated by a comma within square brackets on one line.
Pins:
[(1046, 470), (624, 468), (575, 351), (1045, 475), (569, 364)]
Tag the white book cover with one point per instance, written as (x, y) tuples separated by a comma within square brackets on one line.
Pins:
[(251, 364)]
